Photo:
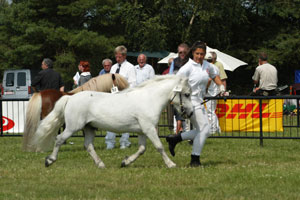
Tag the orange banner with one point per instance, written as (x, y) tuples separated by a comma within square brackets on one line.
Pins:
[(244, 115)]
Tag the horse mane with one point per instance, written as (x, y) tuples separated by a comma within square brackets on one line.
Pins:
[(103, 83), (156, 80)]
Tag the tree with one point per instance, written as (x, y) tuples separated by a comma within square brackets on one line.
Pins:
[(36, 29)]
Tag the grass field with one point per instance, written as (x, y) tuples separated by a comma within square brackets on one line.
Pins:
[(232, 169)]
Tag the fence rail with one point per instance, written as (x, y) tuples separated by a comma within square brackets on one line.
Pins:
[(247, 117)]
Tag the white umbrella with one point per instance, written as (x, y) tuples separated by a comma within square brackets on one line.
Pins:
[(230, 63), (166, 59)]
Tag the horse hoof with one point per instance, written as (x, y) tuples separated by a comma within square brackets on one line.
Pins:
[(173, 165), (48, 161), (123, 164), (101, 165)]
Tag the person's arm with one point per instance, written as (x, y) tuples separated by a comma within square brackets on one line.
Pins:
[(208, 84), (171, 68), (218, 81), (224, 83)]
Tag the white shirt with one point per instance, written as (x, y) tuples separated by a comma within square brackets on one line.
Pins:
[(198, 76), (213, 88), (127, 71), (144, 73)]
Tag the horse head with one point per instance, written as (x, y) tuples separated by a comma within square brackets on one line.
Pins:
[(182, 98)]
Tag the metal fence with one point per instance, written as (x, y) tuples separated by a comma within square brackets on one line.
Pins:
[(239, 117), (260, 118)]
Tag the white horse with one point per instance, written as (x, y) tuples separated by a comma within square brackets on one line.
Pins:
[(132, 110)]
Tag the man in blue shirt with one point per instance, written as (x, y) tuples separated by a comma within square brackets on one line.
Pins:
[(106, 63)]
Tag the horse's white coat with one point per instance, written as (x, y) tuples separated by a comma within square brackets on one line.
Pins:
[(132, 110)]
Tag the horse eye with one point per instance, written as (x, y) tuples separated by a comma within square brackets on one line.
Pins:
[(187, 95)]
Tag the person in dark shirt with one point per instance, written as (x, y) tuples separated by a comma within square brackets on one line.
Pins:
[(47, 78)]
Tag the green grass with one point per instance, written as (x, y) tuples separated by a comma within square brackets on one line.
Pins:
[(232, 169)]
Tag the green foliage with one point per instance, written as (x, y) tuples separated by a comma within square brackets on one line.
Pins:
[(90, 29)]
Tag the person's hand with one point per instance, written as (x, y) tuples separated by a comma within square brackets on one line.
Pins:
[(222, 90), (255, 89)]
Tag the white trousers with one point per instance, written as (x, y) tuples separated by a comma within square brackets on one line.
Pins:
[(110, 139), (200, 132), (212, 117)]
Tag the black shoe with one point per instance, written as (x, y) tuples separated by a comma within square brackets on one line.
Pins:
[(173, 140), (195, 161)]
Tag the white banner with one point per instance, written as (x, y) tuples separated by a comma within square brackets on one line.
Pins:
[(13, 116)]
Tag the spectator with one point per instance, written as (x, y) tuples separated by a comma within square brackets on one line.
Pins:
[(106, 63), (181, 59), (47, 78), (143, 70), (126, 69), (198, 71), (212, 91), (266, 76), (85, 76), (220, 66), (76, 77), (175, 66)]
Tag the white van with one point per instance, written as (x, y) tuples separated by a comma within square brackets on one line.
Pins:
[(16, 84)]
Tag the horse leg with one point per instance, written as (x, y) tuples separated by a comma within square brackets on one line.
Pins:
[(89, 146), (60, 139), (151, 132), (141, 150)]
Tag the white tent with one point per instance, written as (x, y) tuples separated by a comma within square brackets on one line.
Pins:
[(166, 59), (230, 63)]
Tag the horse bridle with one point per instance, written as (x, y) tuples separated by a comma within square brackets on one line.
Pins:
[(183, 111)]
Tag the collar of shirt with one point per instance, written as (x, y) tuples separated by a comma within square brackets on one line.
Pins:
[(85, 73)]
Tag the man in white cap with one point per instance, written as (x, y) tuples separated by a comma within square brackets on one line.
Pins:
[(212, 91)]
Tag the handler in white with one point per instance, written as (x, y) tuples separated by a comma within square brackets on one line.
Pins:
[(143, 70), (212, 91), (198, 72), (126, 69)]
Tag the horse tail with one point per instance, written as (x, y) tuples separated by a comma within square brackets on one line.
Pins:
[(49, 126), (33, 116)]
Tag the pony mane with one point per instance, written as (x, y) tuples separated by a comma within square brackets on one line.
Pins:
[(103, 83), (156, 80)]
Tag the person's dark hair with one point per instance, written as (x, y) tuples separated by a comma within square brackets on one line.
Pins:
[(48, 62), (197, 45), (263, 56)]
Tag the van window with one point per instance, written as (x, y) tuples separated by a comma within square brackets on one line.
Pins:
[(21, 79), (10, 79)]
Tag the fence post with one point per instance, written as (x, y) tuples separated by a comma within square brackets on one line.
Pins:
[(260, 124), (1, 117)]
